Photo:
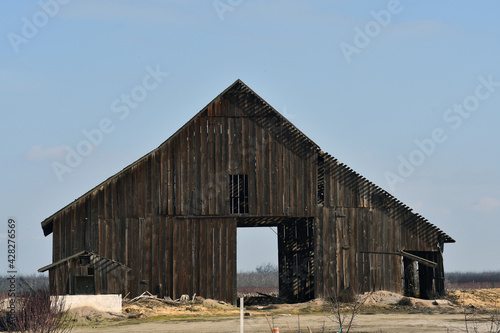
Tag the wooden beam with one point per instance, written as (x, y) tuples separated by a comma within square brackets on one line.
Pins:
[(421, 260), (418, 259)]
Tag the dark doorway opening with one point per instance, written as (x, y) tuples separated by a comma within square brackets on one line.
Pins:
[(84, 285), (423, 274), (295, 238)]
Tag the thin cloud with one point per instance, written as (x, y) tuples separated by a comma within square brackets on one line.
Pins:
[(486, 204), (421, 27), (143, 12), (39, 153), (416, 206)]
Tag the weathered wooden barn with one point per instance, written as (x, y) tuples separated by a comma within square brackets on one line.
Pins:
[(167, 223)]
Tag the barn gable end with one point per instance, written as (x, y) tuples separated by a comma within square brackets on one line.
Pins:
[(171, 217)]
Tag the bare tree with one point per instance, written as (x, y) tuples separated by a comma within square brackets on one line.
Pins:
[(345, 306), (35, 313)]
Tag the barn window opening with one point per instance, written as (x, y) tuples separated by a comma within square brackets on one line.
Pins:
[(238, 191), (84, 260)]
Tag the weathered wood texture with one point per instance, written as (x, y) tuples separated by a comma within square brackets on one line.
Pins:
[(191, 256), (296, 259), (128, 218), (168, 216), (357, 226)]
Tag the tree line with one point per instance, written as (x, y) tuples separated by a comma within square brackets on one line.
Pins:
[(265, 275), (468, 277)]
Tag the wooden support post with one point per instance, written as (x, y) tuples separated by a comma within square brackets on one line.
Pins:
[(410, 275)]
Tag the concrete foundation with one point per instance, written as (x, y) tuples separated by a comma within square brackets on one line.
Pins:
[(104, 303)]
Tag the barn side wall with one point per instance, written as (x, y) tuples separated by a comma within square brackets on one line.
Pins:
[(166, 256), (354, 236), (345, 241)]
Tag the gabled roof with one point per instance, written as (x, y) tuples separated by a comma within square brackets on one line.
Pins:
[(286, 133), (252, 104)]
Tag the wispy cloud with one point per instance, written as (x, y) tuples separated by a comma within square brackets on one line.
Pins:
[(417, 205), (139, 12), (421, 27), (39, 153), (486, 204)]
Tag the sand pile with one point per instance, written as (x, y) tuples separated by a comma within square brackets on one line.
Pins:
[(389, 298)]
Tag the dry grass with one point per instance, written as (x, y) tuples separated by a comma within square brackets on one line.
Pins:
[(483, 299)]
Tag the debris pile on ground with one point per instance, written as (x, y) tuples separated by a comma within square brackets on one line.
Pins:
[(313, 306), (255, 292), (148, 305), (262, 299)]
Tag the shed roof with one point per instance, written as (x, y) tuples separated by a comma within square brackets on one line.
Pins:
[(76, 255)]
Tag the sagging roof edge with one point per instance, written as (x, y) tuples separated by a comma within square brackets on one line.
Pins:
[(48, 222), (62, 261)]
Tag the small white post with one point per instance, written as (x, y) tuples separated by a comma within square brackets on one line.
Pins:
[(242, 315)]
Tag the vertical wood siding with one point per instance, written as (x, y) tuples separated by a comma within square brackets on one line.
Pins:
[(168, 218), (133, 217), (356, 231)]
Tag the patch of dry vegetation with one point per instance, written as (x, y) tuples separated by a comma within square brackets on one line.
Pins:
[(482, 299)]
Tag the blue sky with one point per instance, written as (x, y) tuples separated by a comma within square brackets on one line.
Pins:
[(407, 93)]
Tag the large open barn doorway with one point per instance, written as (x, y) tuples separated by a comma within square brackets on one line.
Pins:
[(295, 253), (257, 261)]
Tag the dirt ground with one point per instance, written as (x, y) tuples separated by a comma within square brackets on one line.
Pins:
[(393, 323), (382, 312)]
